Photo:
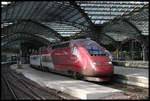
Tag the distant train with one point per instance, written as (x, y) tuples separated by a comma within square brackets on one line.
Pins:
[(78, 58)]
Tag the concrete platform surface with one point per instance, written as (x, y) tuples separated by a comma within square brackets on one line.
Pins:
[(132, 64), (76, 88), (133, 76)]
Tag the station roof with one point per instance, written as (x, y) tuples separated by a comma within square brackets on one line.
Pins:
[(55, 20)]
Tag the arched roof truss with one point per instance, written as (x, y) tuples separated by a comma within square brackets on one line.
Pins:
[(55, 20), (30, 27), (47, 11), (130, 25), (101, 12), (24, 37)]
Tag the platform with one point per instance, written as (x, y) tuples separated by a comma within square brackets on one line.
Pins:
[(76, 88), (131, 64), (132, 76)]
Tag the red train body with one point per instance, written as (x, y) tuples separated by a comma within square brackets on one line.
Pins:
[(79, 58)]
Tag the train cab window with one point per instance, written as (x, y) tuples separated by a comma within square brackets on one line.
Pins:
[(94, 50)]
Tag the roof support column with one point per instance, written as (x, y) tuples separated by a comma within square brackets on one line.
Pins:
[(19, 56), (145, 50)]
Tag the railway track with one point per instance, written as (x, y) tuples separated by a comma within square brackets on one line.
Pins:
[(23, 88), (133, 92), (11, 94)]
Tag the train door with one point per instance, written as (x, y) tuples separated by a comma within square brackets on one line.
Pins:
[(50, 63), (40, 55), (46, 59)]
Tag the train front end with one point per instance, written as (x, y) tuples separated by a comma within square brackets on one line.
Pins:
[(98, 65)]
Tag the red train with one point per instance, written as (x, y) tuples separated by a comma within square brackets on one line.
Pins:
[(81, 58)]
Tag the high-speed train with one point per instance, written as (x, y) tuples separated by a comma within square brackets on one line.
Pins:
[(80, 58)]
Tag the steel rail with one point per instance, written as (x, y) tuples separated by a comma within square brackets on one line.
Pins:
[(11, 90), (29, 88), (37, 86), (10, 83), (22, 90)]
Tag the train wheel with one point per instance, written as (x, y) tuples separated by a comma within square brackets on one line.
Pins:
[(76, 75)]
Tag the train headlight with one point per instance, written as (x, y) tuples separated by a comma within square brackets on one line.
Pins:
[(109, 62), (96, 63)]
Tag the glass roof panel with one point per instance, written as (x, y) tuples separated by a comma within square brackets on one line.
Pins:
[(100, 10), (63, 29), (4, 3)]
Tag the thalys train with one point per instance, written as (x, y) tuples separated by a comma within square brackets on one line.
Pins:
[(80, 58)]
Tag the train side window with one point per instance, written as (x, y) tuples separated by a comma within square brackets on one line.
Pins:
[(43, 58), (75, 51), (34, 57), (46, 58)]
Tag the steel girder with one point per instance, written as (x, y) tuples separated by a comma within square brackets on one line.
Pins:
[(102, 10), (121, 26), (107, 10), (11, 44), (22, 25), (24, 36), (31, 27), (128, 27), (141, 39), (40, 11), (60, 11), (32, 44), (140, 20), (63, 29), (91, 25)]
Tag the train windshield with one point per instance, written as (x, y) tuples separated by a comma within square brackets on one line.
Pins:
[(94, 50)]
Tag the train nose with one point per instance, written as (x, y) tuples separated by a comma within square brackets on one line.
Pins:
[(104, 69)]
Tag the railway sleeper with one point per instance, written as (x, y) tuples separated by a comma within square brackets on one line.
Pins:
[(37, 86)]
